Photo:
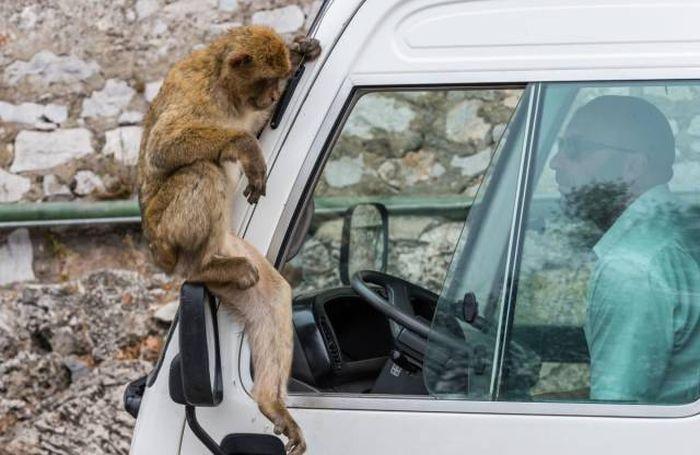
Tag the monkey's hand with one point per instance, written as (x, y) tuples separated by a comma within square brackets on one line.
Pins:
[(245, 148), (255, 172), (304, 47)]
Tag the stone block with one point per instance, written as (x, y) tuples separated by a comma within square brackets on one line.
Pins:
[(284, 20), (12, 187), (124, 144), (36, 150), (49, 68), (86, 182), (16, 257), (109, 101)]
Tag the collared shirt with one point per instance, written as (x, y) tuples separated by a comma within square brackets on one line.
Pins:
[(643, 313)]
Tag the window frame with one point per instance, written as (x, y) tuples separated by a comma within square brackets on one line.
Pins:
[(299, 198)]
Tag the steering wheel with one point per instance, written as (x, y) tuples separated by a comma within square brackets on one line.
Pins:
[(397, 304)]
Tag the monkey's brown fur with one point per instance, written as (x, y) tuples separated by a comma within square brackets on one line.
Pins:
[(203, 121)]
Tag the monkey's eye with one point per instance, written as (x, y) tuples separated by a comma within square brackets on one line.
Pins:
[(266, 82)]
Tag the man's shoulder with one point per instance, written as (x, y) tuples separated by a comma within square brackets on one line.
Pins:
[(646, 253)]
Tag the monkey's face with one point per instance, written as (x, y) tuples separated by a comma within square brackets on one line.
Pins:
[(256, 67), (265, 92)]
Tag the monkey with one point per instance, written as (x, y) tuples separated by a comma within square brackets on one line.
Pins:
[(199, 129)]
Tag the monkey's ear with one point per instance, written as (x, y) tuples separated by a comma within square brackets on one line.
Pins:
[(239, 59)]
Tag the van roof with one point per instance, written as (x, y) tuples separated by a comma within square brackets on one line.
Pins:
[(557, 36)]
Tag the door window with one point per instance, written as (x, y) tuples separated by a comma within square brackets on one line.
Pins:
[(601, 296), (421, 154), (392, 196)]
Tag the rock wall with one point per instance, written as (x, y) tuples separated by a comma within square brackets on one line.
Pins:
[(67, 350), (76, 78)]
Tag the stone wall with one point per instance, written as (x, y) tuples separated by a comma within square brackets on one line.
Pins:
[(76, 78), (422, 143)]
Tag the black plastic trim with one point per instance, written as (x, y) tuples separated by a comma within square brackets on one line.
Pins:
[(133, 395), (252, 444), (194, 347), (283, 103), (198, 431)]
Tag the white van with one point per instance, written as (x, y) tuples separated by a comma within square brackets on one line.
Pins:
[(497, 311)]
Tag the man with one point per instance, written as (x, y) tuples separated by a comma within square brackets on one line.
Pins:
[(643, 312)]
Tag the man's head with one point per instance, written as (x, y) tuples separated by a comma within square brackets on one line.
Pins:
[(613, 149), (615, 139)]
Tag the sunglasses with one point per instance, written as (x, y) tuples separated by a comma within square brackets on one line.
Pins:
[(575, 147)]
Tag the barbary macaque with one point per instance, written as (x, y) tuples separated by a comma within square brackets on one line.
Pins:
[(200, 127)]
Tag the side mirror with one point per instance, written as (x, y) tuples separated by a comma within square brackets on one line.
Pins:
[(365, 239), (195, 373)]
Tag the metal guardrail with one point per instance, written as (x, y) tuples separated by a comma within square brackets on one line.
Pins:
[(75, 213), (68, 213)]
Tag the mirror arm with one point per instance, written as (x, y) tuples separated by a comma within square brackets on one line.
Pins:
[(202, 435)]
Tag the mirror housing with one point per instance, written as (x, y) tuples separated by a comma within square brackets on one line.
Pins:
[(192, 381), (365, 233)]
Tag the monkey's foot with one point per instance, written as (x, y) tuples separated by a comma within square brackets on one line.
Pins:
[(296, 444), (255, 171), (275, 410), (254, 190), (246, 275)]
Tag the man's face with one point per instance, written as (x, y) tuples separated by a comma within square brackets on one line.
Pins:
[(581, 163), (596, 181)]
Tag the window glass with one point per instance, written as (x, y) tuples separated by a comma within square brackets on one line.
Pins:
[(420, 154), (476, 280), (601, 302)]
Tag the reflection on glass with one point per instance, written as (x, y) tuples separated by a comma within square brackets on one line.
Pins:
[(614, 161), (366, 243), (604, 301)]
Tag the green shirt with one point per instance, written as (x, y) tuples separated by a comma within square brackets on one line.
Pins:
[(643, 314)]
